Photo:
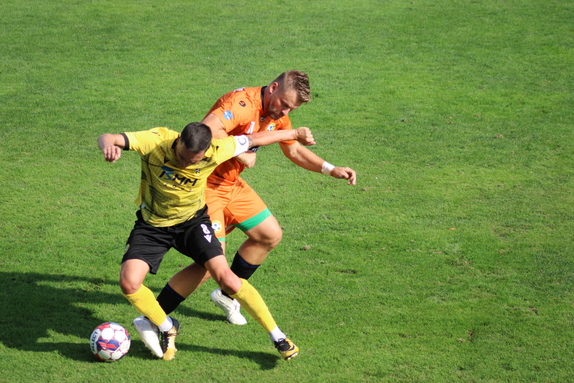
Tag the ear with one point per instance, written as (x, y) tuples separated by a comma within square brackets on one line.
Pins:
[(273, 87)]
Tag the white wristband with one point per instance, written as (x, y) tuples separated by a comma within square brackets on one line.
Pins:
[(241, 145), (326, 168)]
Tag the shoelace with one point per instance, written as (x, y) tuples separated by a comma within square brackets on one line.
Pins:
[(282, 345)]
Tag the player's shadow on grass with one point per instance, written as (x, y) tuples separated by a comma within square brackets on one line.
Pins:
[(190, 312), (266, 360), (40, 307)]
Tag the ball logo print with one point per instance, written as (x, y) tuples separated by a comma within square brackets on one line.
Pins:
[(110, 342), (216, 226)]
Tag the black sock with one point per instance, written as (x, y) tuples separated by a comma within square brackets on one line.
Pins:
[(242, 269), (169, 299)]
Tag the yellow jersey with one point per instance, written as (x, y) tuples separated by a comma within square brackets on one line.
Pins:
[(169, 195)]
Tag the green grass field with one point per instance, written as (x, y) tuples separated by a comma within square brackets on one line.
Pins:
[(450, 261)]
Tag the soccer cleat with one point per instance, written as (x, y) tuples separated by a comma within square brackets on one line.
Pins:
[(167, 341), (287, 349), (230, 307), (149, 334)]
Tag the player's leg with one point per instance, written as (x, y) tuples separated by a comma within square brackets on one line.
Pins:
[(264, 234), (182, 285), (218, 200), (197, 241), (262, 238), (247, 211), (251, 215), (186, 281), (145, 249), (252, 302)]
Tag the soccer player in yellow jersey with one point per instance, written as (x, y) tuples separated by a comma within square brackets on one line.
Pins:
[(232, 203), (172, 213)]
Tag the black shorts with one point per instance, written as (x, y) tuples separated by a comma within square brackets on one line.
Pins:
[(194, 238)]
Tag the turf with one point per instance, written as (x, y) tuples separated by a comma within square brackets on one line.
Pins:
[(449, 261)]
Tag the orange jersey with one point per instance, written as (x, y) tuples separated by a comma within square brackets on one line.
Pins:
[(240, 111)]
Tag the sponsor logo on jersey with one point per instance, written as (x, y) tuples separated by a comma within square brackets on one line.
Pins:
[(169, 174), (270, 127), (227, 115), (242, 103)]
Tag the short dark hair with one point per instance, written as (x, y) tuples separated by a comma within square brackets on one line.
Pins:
[(196, 137), (297, 81)]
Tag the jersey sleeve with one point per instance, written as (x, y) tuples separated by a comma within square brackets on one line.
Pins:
[(145, 141), (229, 147), (236, 111)]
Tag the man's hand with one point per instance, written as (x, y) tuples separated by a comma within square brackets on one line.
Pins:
[(248, 159), (304, 136), (345, 173), (111, 153), (111, 146)]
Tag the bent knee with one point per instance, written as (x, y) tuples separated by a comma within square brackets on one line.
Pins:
[(274, 240), (268, 238), (129, 287), (229, 282), (132, 275)]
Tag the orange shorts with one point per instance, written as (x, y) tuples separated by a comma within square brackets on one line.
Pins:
[(238, 206)]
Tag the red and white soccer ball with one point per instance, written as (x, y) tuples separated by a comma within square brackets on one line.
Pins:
[(110, 342)]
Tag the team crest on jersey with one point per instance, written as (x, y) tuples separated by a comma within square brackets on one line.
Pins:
[(216, 226), (271, 127), (242, 103), (227, 115)]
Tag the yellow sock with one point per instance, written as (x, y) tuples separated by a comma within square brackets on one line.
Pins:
[(252, 302), (144, 301)]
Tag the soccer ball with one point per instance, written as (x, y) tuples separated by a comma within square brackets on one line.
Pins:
[(110, 342)]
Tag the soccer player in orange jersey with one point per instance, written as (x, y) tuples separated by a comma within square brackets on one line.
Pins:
[(231, 201)]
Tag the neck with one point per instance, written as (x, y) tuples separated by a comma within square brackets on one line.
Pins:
[(264, 110)]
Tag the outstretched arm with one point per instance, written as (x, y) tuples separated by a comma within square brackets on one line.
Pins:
[(302, 135), (306, 159), (111, 146)]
